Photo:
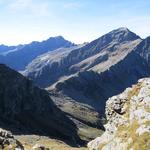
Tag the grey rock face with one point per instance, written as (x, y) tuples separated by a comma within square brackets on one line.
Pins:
[(30, 109)]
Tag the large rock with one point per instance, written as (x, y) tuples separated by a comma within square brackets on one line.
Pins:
[(7, 141), (128, 115)]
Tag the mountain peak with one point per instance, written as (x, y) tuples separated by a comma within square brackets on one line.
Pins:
[(123, 34), (123, 29)]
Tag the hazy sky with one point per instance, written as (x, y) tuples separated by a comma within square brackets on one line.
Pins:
[(22, 21)]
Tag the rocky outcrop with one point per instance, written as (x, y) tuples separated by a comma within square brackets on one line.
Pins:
[(7, 141), (128, 116)]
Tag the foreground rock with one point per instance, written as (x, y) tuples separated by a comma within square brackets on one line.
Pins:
[(7, 141), (128, 115)]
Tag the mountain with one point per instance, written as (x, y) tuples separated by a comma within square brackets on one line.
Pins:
[(143, 49), (5, 49), (20, 57), (109, 48), (128, 116), (93, 88), (49, 65), (81, 80), (27, 109)]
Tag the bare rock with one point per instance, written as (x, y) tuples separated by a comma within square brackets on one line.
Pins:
[(7, 141), (128, 117)]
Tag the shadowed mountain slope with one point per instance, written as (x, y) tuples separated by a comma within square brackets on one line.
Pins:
[(26, 109)]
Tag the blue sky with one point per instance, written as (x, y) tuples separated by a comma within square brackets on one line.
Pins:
[(23, 21)]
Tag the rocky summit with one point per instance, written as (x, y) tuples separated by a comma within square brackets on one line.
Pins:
[(128, 115)]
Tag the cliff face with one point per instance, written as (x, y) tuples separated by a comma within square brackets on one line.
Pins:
[(128, 115)]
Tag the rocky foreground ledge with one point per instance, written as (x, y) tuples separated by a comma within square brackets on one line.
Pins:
[(128, 116), (8, 142)]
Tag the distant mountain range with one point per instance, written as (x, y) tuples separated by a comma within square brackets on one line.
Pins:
[(128, 125), (18, 57)]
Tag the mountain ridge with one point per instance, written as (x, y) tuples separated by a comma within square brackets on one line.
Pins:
[(111, 41), (28, 52), (128, 120)]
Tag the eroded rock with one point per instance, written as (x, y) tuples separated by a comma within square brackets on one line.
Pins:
[(128, 116), (7, 141)]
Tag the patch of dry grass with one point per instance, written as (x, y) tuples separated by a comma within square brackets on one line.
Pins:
[(30, 140)]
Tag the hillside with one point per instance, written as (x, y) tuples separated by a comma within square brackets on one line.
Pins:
[(27, 109)]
